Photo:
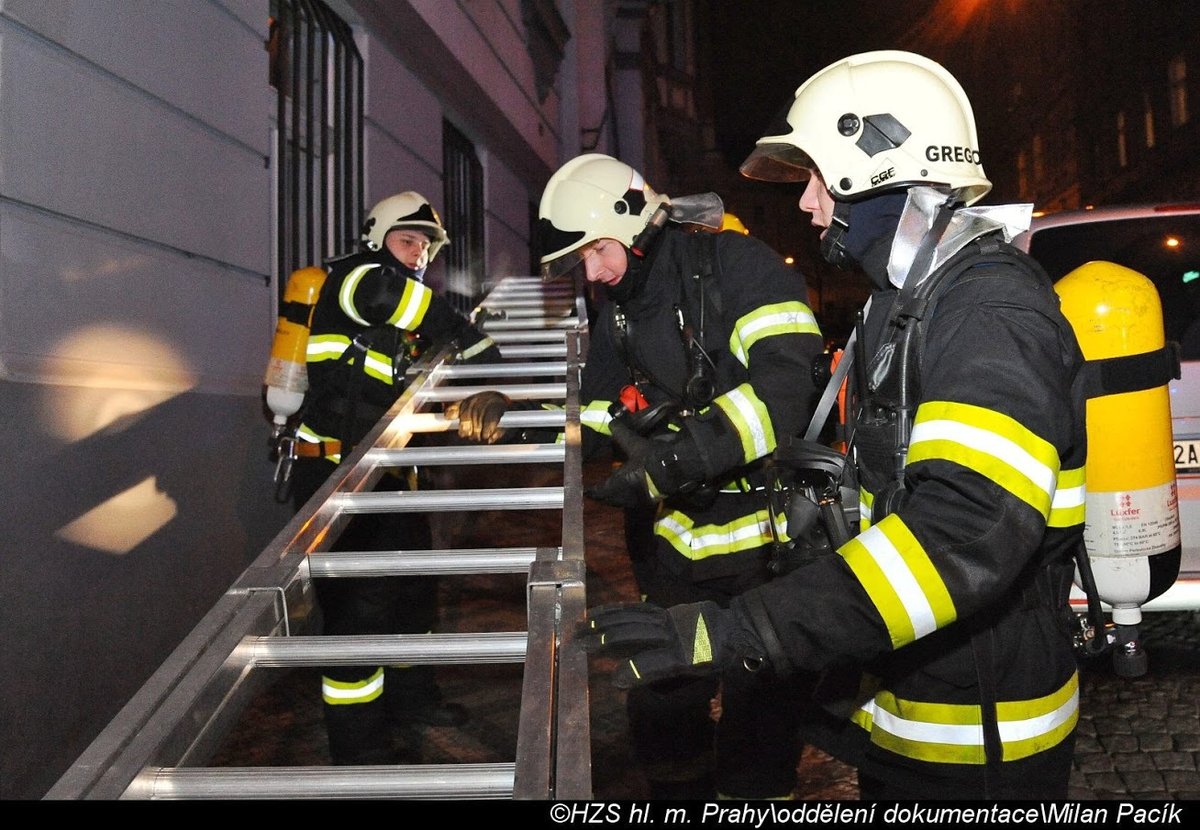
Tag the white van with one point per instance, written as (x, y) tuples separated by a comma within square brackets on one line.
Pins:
[(1161, 242)]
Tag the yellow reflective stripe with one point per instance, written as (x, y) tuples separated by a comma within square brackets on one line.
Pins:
[(900, 579), (751, 420), (792, 317), (346, 293), (338, 693), (414, 302), (1070, 497), (332, 346), (1030, 727), (305, 434), (953, 733), (990, 443), (326, 347), (651, 489), (701, 645), (479, 348), (595, 416), (379, 366), (703, 541), (866, 500)]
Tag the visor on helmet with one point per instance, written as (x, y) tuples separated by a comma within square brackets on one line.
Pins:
[(567, 263), (778, 163)]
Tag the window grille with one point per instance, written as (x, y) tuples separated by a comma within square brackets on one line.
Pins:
[(463, 218), (317, 73)]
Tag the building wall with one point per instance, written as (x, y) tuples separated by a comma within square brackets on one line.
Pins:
[(135, 310)]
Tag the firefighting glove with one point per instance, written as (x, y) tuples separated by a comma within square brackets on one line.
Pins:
[(693, 640), (654, 469), (473, 346), (479, 416)]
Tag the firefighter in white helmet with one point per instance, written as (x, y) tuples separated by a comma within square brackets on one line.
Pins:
[(969, 444), (373, 317), (701, 357)]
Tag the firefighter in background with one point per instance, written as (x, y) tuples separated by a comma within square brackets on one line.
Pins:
[(372, 318), (709, 338), (953, 595), (730, 222)]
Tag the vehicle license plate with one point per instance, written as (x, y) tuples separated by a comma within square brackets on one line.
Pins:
[(1187, 456)]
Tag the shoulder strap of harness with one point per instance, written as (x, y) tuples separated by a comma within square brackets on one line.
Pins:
[(701, 290)]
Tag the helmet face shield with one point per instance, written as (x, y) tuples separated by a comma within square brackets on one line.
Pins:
[(565, 265), (779, 162)]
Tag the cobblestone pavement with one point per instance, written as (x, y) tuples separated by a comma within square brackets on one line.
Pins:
[(1139, 738)]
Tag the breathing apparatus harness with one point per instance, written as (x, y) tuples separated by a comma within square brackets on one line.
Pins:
[(406, 348), (698, 294)]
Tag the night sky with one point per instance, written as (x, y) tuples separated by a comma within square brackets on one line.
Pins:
[(764, 49)]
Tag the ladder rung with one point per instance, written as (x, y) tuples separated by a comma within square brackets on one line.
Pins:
[(530, 336), (529, 285), (514, 350), (429, 501), (436, 422), (533, 312), (424, 562), (557, 323), (516, 391), (502, 370), (482, 454), (440, 781), (503, 292), (384, 649)]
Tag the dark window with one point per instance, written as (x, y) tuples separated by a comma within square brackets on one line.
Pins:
[(463, 218), (317, 74), (547, 37)]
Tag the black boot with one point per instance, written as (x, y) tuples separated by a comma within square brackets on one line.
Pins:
[(359, 734), (413, 698)]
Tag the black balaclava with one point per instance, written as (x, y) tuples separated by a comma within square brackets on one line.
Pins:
[(636, 273), (866, 235)]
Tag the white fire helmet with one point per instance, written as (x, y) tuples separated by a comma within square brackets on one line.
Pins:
[(872, 123), (591, 197), (404, 210)]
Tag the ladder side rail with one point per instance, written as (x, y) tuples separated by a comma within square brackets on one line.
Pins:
[(429, 781), (554, 737), (573, 773)]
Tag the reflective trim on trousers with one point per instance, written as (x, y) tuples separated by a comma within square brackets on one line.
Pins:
[(948, 733), (338, 693)]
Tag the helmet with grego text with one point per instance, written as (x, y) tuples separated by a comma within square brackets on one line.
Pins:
[(876, 122)]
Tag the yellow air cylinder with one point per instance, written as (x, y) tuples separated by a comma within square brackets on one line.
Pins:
[(1132, 510), (286, 378)]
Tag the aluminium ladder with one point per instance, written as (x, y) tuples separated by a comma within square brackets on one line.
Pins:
[(158, 745)]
